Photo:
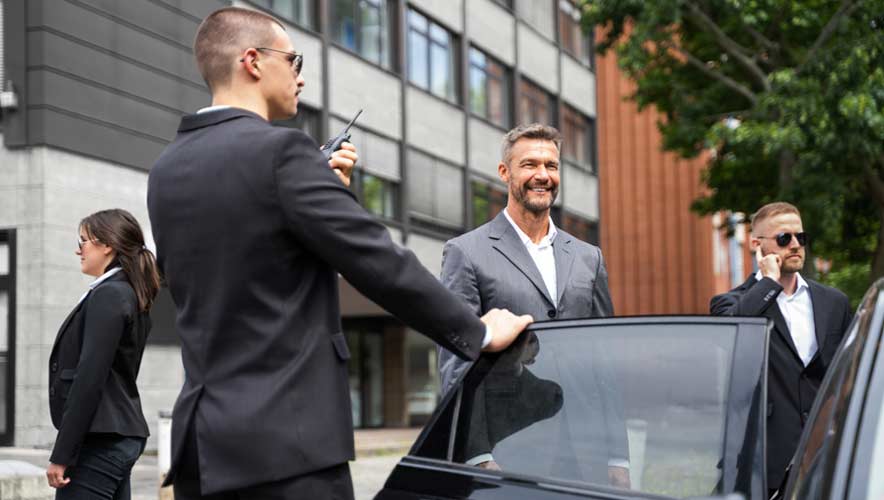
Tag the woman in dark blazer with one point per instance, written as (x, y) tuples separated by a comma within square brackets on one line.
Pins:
[(95, 360)]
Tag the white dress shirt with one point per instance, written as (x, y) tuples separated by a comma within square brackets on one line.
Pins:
[(541, 253), (797, 310), (98, 281)]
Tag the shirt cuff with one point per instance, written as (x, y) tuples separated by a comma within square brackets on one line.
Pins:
[(618, 462), (488, 337), (480, 459)]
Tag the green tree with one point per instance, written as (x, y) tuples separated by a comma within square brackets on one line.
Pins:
[(789, 95)]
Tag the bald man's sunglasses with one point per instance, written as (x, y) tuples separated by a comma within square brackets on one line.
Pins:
[(296, 59), (783, 239)]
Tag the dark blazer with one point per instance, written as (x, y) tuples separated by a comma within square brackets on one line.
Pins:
[(252, 228), (93, 367), (791, 386)]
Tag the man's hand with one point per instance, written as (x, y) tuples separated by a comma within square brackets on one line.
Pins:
[(768, 264), (618, 477), (505, 327), (342, 162), (489, 465), (55, 475)]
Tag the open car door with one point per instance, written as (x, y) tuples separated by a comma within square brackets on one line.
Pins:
[(604, 408)]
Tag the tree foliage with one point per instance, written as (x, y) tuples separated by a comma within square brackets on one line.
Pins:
[(789, 95)]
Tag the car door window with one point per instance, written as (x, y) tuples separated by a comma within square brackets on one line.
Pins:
[(635, 406)]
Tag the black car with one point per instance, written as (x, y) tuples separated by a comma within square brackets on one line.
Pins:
[(647, 407)]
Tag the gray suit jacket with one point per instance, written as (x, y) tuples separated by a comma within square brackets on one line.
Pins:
[(489, 267)]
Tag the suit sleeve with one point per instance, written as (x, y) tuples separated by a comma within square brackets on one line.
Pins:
[(106, 320), (751, 301), (458, 276), (602, 306), (326, 218)]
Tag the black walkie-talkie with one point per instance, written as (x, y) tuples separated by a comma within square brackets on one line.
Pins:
[(335, 142)]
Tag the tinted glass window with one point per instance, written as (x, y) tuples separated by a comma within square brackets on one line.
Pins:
[(644, 403)]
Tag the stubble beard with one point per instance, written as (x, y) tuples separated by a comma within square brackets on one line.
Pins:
[(520, 193)]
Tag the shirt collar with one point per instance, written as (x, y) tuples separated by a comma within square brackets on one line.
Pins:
[(101, 279), (208, 109), (801, 283), (550, 234)]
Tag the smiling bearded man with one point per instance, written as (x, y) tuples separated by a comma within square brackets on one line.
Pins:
[(521, 261)]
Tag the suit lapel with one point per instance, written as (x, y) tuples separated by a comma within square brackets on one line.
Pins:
[(819, 318), (564, 259), (507, 242), (64, 324), (773, 312)]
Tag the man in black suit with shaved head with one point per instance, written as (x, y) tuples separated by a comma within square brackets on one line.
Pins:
[(252, 227)]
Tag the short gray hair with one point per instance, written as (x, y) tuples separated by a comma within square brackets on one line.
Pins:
[(529, 131)]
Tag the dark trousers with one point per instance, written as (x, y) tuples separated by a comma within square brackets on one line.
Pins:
[(332, 483), (103, 468)]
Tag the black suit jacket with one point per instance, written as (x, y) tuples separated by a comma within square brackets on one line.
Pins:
[(93, 367), (791, 386), (252, 228)]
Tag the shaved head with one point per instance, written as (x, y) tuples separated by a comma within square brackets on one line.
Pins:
[(223, 35)]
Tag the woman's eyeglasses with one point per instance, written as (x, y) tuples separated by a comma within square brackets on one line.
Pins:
[(81, 242), (783, 239)]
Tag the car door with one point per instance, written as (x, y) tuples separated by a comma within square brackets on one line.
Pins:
[(841, 454), (601, 408)]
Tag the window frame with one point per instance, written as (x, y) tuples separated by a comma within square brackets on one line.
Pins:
[(571, 117), (312, 21), (531, 92), (391, 193), (431, 42), (388, 25), (504, 80), (581, 50)]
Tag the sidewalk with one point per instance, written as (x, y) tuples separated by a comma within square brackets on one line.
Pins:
[(377, 452)]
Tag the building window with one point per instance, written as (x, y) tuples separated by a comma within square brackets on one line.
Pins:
[(376, 194), (435, 191), (579, 227), (573, 39), (487, 200), (306, 120), (431, 56), (535, 104), (364, 26), (578, 139), (489, 88), (300, 12)]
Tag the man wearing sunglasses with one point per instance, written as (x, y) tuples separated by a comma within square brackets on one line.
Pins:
[(252, 229), (809, 320)]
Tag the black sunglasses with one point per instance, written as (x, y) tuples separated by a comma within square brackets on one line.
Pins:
[(783, 239), (296, 59)]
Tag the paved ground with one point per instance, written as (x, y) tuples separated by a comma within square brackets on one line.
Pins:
[(377, 452)]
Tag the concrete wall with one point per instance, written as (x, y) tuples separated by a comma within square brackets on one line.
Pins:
[(538, 58), (361, 85), (492, 28), (578, 86), (435, 126)]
